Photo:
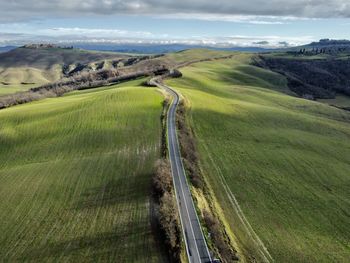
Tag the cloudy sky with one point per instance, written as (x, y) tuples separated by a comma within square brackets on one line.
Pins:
[(222, 22)]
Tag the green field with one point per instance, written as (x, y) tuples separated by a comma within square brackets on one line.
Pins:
[(75, 175), (339, 101), (197, 54), (285, 160), (8, 89)]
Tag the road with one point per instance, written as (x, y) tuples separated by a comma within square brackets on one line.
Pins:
[(196, 246)]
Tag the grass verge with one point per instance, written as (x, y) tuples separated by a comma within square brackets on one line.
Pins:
[(214, 229)]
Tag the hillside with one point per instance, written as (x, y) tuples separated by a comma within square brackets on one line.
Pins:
[(328, 46), (25, 67), (272, 161), (6, 48), (35, 65), (75, 171), (46, 57), (318, 77), (161, 48), (75, 176)]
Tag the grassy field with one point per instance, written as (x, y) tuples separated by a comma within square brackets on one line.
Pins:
[(16, 76), (8, 89), (192, 55), (339, 101), (282, 160), (75, 176)]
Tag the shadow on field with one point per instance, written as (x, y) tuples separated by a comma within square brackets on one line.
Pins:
[(114, 192), (124, 236), (108, 245)]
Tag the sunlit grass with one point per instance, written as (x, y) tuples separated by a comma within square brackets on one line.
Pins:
[(285, 159), (9, 89), (75, 176)]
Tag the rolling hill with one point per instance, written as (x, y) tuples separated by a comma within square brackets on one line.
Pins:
[(277, 165), (319, 76), (35, 65), (29, 66), (75, 171), (75, 176)]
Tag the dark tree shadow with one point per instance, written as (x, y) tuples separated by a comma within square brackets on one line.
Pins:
[(124, 238)]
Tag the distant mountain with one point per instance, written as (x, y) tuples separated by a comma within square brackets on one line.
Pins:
[(6, 48), (330, 43), (325, 46), (47, 56), (159, 48), (250, 49)]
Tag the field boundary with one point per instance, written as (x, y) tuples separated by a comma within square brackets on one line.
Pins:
[(224, 245)]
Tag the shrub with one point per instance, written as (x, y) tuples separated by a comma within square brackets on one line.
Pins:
[(167, 213), (226, 252), (168, 218), (188, 148), (162, 179)]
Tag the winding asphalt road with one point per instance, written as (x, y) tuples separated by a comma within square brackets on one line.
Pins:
[(196, 246)]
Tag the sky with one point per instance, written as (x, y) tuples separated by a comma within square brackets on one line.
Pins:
[(223, 23)]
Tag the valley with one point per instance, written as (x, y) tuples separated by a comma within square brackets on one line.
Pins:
[(78, 154)]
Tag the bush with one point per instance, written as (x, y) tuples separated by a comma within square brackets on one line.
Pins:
[(175, 73), (167, 213), (168, 218), (164, 149), (188, 148), (191, 163), (226, 252), (162, 179)]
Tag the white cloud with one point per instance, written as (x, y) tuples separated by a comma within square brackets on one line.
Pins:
[(24, 9), (114, 36), (93, 32), (261, 41), (248, 19)]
